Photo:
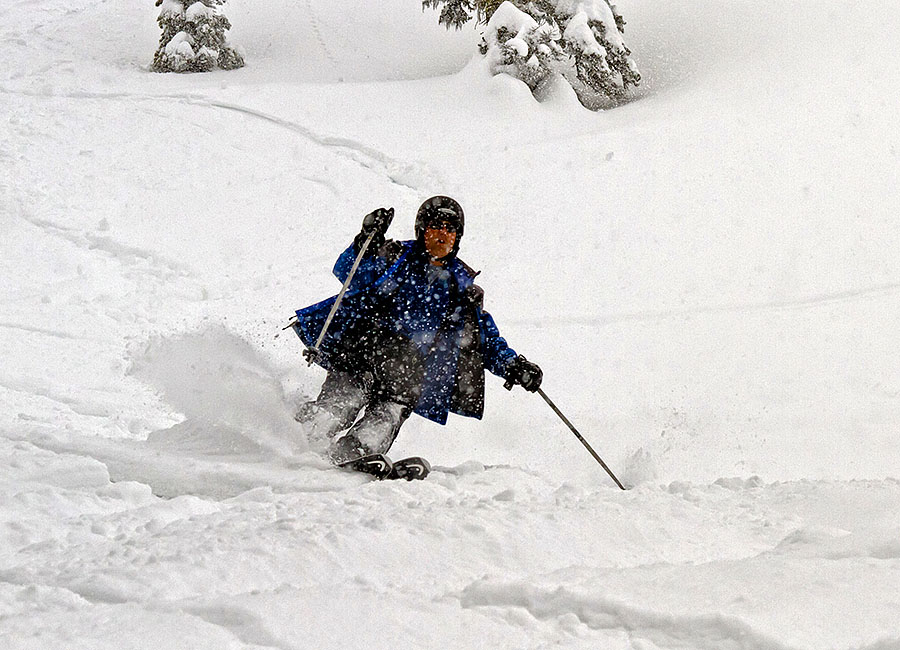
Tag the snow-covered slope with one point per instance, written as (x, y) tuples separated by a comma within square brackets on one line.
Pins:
[(707, 275)]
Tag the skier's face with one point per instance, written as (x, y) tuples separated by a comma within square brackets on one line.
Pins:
[(439, 240)]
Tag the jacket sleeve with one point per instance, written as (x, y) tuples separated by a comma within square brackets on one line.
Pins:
[(497, 353), (371, 267)]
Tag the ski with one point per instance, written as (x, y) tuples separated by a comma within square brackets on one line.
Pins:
[(381, 467), (378, 465), (414, 468)]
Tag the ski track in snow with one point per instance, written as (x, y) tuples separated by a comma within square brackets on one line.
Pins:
[(811, 302), (314, 25), (413, 177), (363, 155), (130, 256), (40, 330)]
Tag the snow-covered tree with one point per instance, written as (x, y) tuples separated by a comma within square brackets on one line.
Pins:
[(582, 40), (456, 13), (193, 37)]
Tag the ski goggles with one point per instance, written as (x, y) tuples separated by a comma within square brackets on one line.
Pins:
[(439, 224)]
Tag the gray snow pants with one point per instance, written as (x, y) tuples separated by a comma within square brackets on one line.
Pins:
[(382, 375)]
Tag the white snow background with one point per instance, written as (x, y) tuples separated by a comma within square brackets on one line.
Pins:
[(708, 275)]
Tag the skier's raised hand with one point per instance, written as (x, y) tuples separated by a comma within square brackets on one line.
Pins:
[(376, 222)]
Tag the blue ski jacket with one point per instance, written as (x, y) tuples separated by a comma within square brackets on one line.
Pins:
[(457, 345)]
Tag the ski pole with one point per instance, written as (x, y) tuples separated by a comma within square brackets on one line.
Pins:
[(562, 417), (312, 353)]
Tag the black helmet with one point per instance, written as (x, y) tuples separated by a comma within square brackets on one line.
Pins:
[(440, 209)]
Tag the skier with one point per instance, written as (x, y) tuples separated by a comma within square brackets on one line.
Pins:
[(410, 335)]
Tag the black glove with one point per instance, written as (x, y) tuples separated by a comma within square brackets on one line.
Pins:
[(474, 295), (525, 373), (312, 355), (376, 222)]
